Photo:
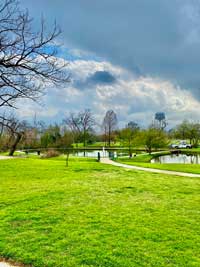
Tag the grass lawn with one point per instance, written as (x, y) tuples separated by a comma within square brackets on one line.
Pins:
[(144, 161), (92, 214)]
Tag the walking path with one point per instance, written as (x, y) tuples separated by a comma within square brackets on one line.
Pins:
[(5, 264), (5, 157), (114, 163)]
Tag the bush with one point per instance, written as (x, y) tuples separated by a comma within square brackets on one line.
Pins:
[(50, 154)]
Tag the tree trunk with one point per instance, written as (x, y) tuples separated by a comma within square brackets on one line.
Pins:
[(14, 145), (84, 142), (130, 150), (105, 136), (109, 137), (67, 159), (149, 150)]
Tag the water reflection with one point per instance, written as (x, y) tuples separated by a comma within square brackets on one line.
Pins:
[(92, 154), (177, 158)]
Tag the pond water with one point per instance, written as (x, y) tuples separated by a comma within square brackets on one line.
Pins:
[(177, 158), (92, 154), (103, 154)]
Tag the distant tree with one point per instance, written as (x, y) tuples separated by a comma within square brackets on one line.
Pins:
[(188, 130), (194, 134), (109, 125), (154, 138), (29, 139), (51, 136), (16, 130), (66, 142), (72, 122), (182, 130), (128, 135), (81, 125), (67, 139), (133, 126), (86, 122)]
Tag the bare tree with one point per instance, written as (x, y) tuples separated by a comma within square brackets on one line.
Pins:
[(28, 61), (81, 124), (2, 126), (109, 125), (86, 123), (73, 123), (16, 130)]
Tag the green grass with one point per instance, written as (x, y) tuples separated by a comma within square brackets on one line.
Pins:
[(192, 150), (15, 154), (4, 153), (144, 161), (191, 168), (91, 214)]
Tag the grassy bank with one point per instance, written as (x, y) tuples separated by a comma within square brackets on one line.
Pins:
[(92, 214), (144, 161)]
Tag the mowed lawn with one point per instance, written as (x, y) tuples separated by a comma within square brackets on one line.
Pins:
[(91, 214), (143, 161)]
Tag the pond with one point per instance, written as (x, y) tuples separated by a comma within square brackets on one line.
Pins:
[(92, 154), (177, 158)]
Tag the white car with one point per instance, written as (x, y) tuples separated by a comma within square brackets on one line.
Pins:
[(182, 144)]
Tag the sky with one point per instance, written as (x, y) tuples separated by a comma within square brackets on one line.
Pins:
[(137, 57)]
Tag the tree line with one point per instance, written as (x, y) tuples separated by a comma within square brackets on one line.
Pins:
[(81, 129)]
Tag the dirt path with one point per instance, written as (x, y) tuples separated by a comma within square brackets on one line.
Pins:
[(185, 174)]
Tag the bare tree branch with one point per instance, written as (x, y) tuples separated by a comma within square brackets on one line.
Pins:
[(109, 124), (28, 61), (81, 124)]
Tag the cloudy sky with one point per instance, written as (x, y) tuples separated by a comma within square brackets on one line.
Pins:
[(136, 57)]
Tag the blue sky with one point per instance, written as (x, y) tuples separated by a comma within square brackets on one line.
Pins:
[(134, 56)]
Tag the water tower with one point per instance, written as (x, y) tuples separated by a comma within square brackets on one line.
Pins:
[(160, 120)]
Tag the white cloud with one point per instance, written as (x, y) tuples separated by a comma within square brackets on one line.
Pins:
[(132, 98)]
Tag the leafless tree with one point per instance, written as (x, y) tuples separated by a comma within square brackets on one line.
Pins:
[(86, 123), (81, 124), (2, 126), (73, 123), (28, 61), (16, 130), (109, 125)]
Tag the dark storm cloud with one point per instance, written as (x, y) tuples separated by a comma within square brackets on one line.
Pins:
[(97, 78), (101, 77), (158, 37)]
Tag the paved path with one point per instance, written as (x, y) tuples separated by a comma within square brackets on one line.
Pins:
[(114, 163), (5, 157), (5, 264)]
